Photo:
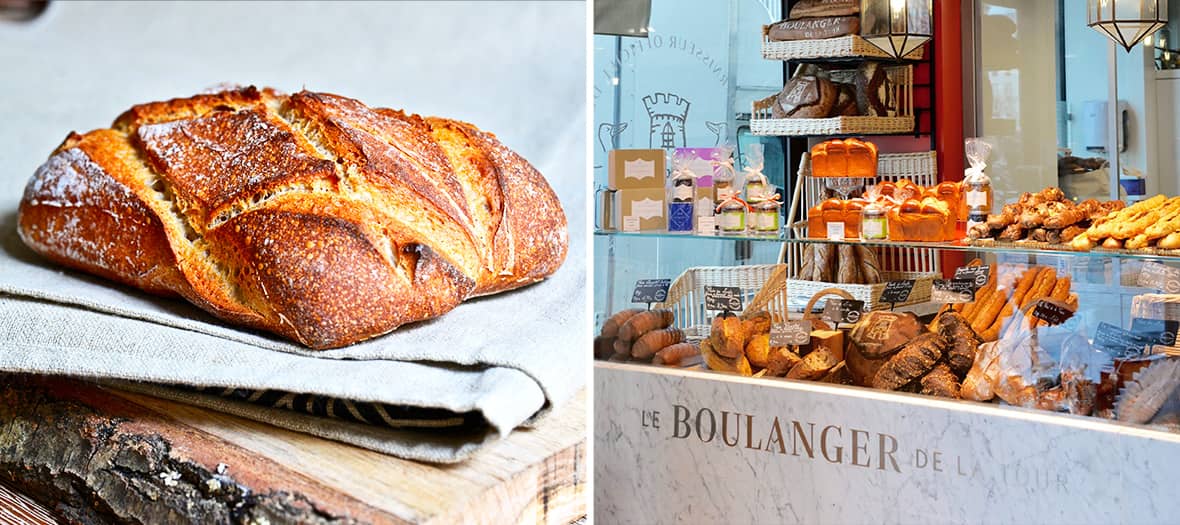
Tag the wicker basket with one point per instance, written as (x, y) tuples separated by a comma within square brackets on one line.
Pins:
[(849, 46), (802, 291), (900, 97), (686, 295)]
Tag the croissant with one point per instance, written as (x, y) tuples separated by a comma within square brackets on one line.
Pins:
[(310, 215)]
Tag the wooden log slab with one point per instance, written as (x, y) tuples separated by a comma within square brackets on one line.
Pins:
[(94, 455)]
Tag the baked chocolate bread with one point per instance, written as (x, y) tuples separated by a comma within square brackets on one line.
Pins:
[(813, 28), (823, 8), (312, 215)]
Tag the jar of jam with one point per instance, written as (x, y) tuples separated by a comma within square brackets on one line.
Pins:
[(873, 224), (766, 217), (731, 216)]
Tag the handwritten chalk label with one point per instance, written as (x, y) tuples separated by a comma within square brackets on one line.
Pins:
[(1159, 331), (1119, 341), (843, 310), (836, 231), (723, 298), (630, 223), (707, 225), (1052, 311), (1160, 277), (977, 274), (791, 333), (651, 290), (952, 291), (897, 291)]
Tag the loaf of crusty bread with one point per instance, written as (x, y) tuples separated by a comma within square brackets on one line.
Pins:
[(310, 215)]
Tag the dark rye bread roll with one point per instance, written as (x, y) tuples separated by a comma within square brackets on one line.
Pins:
[(311, 215)]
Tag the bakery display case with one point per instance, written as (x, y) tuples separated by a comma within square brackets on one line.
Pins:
[(1015, 372)]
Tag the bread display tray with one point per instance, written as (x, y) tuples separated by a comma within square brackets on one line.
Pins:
[(848, 46), (686, 295), (900, 97), (1036, 245), (799, 292)]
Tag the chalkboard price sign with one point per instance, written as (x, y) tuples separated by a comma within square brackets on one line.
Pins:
[(1160, 277), (976, 274), (1119, 341), (843, 310), (1052, 311), (897, 291), (723, 298), (651, 290), (953, 291), (1157, 331), (791, 333)]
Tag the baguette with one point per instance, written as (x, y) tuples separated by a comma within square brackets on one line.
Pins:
[(870, 267), (824, 263), (311, 215), (1024, 285), (807, 269), (846, 265), (1045, 279)]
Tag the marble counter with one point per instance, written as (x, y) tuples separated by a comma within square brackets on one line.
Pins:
[(676, 446)]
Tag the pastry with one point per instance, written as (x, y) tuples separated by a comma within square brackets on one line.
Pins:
[(677, 354), (807, 95), (610, 328), (838, 375), (830, 340), (813, 28), (870, 267), (914, 360), (604, 347), (846, 265), (844, 158), (758, 350), (780, 361), (648, 344), (871, 88), (644, 322), (876, 338), (813, 366), (941, 382), (312, 215), (823, 8), (964, 342)]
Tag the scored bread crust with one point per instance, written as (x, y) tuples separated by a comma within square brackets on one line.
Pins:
[(309, 215)]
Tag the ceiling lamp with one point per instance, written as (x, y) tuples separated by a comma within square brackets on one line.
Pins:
[(897, 27), (1127, 21)]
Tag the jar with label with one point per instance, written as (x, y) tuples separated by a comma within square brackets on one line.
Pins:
[(976, 216), (873, 224), (680, 205), (723, 173), (766, 217), (731, 216), (977, 192), (977, 186), (755, 180)]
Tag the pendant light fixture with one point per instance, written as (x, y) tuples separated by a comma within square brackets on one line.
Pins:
[(897, 27), (1127, 21)]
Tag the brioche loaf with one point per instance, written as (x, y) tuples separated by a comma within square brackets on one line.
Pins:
[(312, 215)]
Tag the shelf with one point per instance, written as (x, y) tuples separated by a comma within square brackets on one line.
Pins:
[(847, 48), (955, 246)]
